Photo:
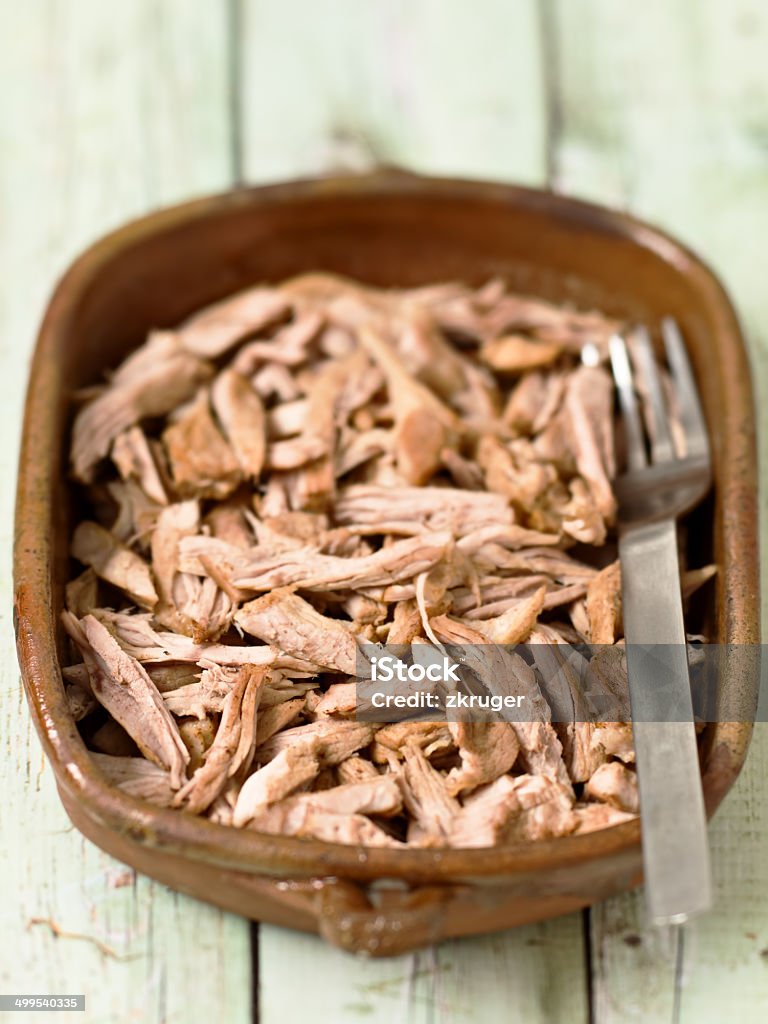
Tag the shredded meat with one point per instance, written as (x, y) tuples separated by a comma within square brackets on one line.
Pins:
[(391, 741), (82, 593), (426, 796), (289, 622), (233, 747), (613, 783), (424, 425), (202, 462), (591, 817), (151, 382), (312, 822), (514, 353), (114, 562), (334, 741), (137, 777), (304, 477), (588, 406), (213, 331), (123, 687), (604, 605), (415, 510), (380, 795), (356, 769), (525, 807), (135, 459), (487, 750), (307, 569), (241, 415), (294, 766)]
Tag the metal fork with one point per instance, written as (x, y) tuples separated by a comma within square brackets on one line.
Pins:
[(651, 494)]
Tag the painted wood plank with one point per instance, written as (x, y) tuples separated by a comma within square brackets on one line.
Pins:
[(536, 973), (105, 110), (671, 119), (447, 88), (723, 969), (441, 86), (664, 112)]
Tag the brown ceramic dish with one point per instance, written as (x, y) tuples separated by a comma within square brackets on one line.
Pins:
[(387, 229)]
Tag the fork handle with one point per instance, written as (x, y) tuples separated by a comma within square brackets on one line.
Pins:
[(676, 863)]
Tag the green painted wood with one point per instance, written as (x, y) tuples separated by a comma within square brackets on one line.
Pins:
[(105, 111), (440, 85), (664, 110), (530, 974), (723, 969)]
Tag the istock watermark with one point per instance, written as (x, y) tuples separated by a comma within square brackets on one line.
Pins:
[(559, 683), (387, 667)]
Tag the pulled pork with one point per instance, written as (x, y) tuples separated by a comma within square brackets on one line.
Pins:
[(303, 469)]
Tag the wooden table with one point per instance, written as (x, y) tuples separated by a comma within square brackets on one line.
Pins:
[(108, 110)]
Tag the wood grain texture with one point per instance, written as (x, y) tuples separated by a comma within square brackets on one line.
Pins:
[(438, 85), (664, 111), (535, 973), (105, 111)]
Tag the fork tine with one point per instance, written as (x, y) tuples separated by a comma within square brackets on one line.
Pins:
[(691, 416), (633, 427), (662, 447)]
